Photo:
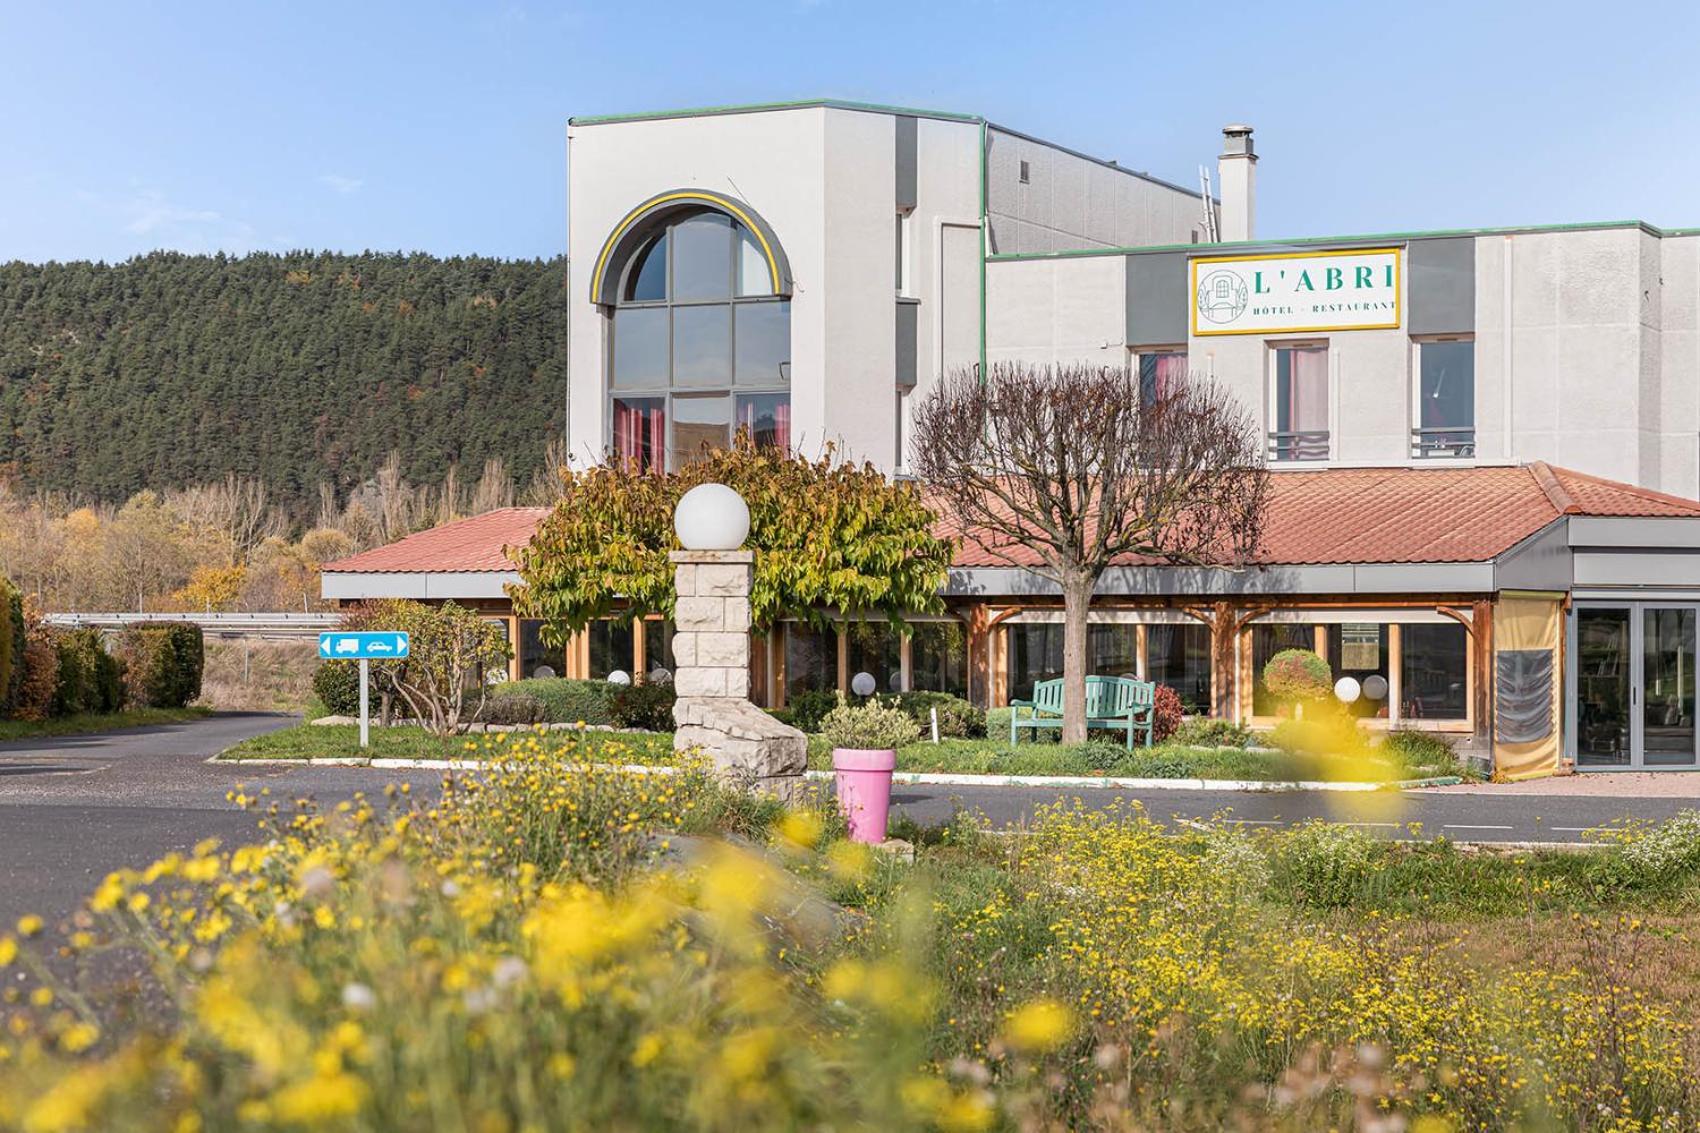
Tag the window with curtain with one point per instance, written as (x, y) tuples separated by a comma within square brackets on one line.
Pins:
[(1160, 371), (700, 344), (1112, 650), (1446, 400), (1299, 402)]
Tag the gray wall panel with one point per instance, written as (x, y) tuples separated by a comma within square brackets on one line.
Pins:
[(908, 361), (1157, 299), (907, 158), (1442, 286)]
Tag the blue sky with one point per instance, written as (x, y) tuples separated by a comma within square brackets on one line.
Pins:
[(129, 126)]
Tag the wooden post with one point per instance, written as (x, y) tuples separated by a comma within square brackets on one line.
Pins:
[(1481, 641), (979, 647)]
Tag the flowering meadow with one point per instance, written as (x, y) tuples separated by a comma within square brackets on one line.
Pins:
[(550, 944)]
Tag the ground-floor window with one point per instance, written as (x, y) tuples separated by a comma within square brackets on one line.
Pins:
[(1359, 650), (536, 658), (938, 657), (1035, 654), (1434, 662), (658, 648), (1179, 656), (874, 648), (610, 648), (811, 659), (1112, 650)]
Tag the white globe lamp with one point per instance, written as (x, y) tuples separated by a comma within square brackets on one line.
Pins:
[(619, 677), (862, 684), (1375, 687), (1347, 689), (711, 517)]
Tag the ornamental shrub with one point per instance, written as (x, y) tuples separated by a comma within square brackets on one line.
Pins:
[(809, 707), (40, 669), (163, 663), (90, 680), (873, 726), (1297, 675), (647, 705), (958, 719), (337, 685), (567, 701), (1206, 731), (511, 708), (1166, 713)]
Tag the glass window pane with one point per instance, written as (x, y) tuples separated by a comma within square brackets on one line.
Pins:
[(1035, 654), (699, 422), (1667, 678), (1433, 667), (640, 430), (874, 648), (535, 658), (640, 348), (702, 257), (764, 343), (1301, 389), (1179, 656), (646, 280), (1268, 639), (938, 657), (811, 659), (702, 346), (610, 648), (767, 417), (1602, 688), (1359, 650), (1448, 390), (658, 649), (754, 275), (1112, 650)]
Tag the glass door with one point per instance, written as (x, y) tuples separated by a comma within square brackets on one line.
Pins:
[(1603, 663), (1666, 712)]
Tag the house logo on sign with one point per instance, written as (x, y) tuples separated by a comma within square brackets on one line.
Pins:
[(1222, 296)]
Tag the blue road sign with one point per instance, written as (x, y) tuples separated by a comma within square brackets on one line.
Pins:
[(384, 646)]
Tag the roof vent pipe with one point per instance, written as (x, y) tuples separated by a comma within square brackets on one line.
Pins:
[(1236, 175)]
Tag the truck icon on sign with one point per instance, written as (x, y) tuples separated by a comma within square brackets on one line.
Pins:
[(348, 645)]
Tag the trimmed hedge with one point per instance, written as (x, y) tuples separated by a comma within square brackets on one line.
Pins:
[(91, 680), (958, 718), (809, 708), (567, 701), (12, 644), (163, 663), (337, 685), (648, 705)]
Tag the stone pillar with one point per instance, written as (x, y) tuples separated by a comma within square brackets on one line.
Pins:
[(711, 675)]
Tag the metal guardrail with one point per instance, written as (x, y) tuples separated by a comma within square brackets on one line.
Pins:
[(1304, 444), (1440, 441), (268, 625)]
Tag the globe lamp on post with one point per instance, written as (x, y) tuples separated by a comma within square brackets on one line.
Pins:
[(711, 517)]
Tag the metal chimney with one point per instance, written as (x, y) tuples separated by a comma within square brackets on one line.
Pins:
[(1236, 174)]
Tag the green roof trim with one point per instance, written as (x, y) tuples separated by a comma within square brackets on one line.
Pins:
[(759, 107), (1370, 238)]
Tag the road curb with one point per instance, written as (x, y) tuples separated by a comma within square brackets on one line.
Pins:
[(910, 778)]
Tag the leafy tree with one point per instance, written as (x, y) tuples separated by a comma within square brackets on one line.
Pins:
[(1065, 470), (828, 536), (451, 650)]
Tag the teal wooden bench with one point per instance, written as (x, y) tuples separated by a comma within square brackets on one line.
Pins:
[(1120, 703)]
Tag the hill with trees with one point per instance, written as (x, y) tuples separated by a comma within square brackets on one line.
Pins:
[(302, 371)]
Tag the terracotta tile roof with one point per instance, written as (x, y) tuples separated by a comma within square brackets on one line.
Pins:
[(474, 544), (1415, 515), (1333, 515)]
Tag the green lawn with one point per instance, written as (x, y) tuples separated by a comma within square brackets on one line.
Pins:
[(342, 741), (103, 722), (974, 757), (997, 757)]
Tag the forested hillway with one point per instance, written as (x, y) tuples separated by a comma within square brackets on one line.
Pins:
[(299, 370)]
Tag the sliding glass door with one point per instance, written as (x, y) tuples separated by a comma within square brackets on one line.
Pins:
[(1635, 686)]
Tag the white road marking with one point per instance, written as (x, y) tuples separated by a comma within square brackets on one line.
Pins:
[(1458, 826), (1574, 829), (1258, 822), (1383, 825)]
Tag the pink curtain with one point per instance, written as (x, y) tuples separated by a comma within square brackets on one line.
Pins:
[(767, 419), (1171, 372), (1307, 391), (638, 429), (782, 425)]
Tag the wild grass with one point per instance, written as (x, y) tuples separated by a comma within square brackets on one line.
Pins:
[(98, 722)]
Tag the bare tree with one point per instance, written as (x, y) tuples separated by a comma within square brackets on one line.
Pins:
[(236, 511), (1065, 470), (495, 488)]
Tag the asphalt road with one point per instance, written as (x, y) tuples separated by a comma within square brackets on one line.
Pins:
[(74, 808)]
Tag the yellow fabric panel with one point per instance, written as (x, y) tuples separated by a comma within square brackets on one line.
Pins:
[(1530, 623)]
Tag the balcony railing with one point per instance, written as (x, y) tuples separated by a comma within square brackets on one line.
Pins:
[(1440, 442), (1310, 444)]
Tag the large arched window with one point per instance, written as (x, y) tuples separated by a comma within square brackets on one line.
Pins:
[(701, 342)]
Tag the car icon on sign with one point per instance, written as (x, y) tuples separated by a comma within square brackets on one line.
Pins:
[(380, 647), (348, 645)]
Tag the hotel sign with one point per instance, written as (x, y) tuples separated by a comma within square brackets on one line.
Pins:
[(1357, 289)]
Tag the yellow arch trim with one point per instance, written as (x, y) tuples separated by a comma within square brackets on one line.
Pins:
[(714, 199)]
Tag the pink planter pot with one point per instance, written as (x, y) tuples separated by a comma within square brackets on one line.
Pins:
[(864, 790)]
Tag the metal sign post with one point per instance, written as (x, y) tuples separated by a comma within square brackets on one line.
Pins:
[(363, 647)]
